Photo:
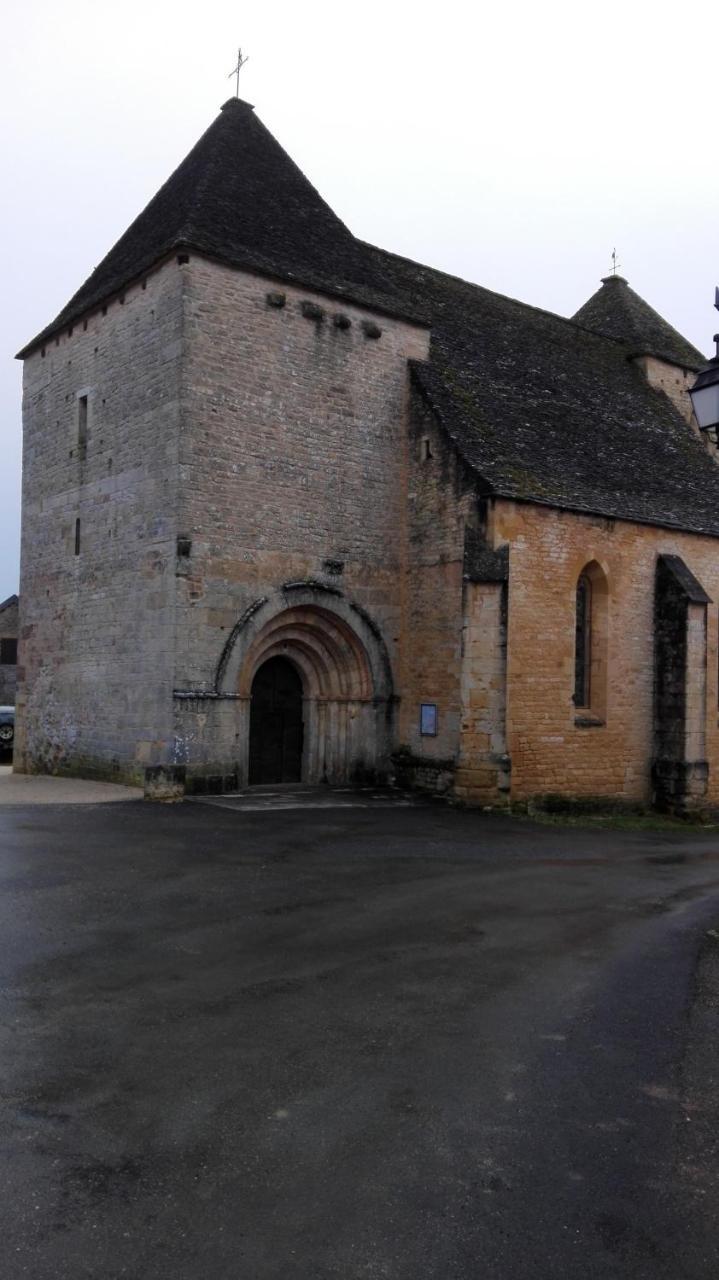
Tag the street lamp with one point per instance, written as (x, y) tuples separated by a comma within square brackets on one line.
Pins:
[(705, 392)]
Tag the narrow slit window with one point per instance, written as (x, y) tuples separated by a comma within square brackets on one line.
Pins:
[(428, 719), (77, 537), (82, 422), (582, 643)]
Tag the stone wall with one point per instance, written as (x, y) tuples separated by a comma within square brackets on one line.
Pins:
[(673, 381), (293, 463), (441, 499), (239, 452), (95, 682), (8, 670), (484, 767), (552, 748)]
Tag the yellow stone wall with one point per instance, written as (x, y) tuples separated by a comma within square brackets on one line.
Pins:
[(549, 752)]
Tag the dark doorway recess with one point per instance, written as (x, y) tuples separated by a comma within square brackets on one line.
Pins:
[(276, 723)]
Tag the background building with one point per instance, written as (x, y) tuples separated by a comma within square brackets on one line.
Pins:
[(8, 650)]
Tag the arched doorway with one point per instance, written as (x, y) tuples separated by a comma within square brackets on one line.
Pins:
[(276, 728), (337, 653)]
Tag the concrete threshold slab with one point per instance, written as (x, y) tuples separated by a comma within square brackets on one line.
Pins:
[(34, 788), (256, 799)]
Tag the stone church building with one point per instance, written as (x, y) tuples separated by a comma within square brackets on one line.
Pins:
[(298, 509)]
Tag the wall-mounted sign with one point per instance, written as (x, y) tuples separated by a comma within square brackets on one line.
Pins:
[(428, 719)]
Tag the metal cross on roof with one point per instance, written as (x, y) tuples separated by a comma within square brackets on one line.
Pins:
[(236, 71), (615, 265)]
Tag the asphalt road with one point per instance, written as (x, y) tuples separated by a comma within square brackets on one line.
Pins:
[(359, 1043)]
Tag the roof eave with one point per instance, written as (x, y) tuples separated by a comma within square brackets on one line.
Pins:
[(67, 319), (355, 296), (559, 504), (416, 367), (644, 353)]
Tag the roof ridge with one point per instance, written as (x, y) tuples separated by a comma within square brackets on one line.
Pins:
[(494, 293), (200, 188)]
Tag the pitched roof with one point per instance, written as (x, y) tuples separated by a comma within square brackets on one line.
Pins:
[(618, 312), (239, 198), (546, 411), (543, 409), (7, 604)]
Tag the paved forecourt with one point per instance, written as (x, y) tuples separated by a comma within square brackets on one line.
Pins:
[(284, 796), (33, 788)]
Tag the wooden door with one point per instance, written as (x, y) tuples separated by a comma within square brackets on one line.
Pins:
[(276, 724)]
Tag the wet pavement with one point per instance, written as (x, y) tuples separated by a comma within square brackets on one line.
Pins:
[(355, 1042), (32, 789), (289, 796)]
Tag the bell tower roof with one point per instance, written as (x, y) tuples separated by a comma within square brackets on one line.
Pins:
[(238, 198), (616, 311)]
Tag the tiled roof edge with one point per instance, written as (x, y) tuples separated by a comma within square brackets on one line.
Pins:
[(503, 297), (72, 317), (689, 585), (559, 504), (633, 353), (418, 368)]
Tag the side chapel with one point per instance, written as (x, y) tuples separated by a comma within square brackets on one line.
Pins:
[(298, 509)]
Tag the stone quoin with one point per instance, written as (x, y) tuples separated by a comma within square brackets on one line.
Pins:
[(298, 509)]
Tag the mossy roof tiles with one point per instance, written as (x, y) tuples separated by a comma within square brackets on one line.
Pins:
[(543, 409), (547, 411), (618, 312)]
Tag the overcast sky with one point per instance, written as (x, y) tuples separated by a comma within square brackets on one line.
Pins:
[(512, 144)]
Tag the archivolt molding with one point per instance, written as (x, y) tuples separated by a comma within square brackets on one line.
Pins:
[(337, 647)]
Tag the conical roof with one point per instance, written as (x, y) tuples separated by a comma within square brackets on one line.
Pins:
[(239, 198), (618, 312)]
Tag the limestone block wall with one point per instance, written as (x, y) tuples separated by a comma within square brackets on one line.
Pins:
[(293, 463), (441, 498), (552, 748), (673, 381), (9, 624), (101, 429), (483, 773)]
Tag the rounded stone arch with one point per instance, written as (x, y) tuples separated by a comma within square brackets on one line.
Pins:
[(346, 677)]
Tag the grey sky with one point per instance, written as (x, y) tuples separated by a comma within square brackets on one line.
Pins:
[(514, 145)]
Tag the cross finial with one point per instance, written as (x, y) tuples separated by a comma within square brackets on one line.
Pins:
[(615, 265), (236, 71)]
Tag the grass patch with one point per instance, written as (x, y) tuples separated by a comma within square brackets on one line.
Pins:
[(621, 821)]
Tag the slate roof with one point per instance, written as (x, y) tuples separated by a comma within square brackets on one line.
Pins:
[(618, 312), (481, 563), (689, 586), (543, 409), (546, 411), (239, 198)]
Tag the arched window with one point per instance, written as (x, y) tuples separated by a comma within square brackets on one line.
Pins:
[(583, 643), (591, 638)]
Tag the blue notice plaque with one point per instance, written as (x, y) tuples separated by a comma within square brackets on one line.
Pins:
[(428, 719)]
